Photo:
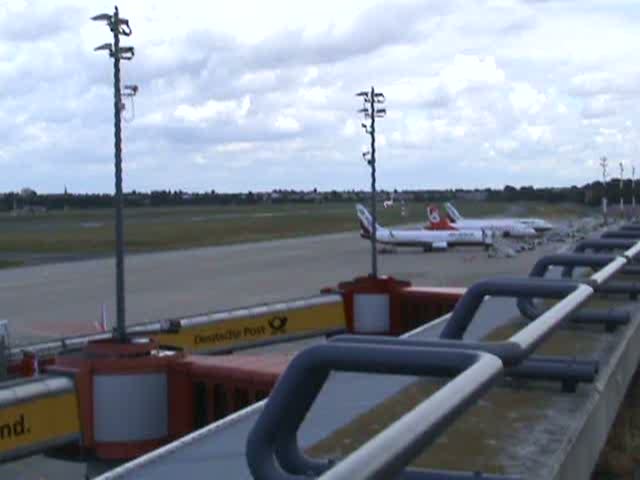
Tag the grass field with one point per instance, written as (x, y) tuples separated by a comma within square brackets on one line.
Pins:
[(10, 263), (90, 232)]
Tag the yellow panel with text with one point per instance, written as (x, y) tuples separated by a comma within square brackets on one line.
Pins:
[(38, 420), (237, 331)]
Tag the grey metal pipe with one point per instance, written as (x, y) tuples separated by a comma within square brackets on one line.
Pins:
[(635, 234), (604, 274), (272, 448), (603, 244), (415, 474), (385, 455), (567, 370), (530, 337), (611, 318), (611, 264), (509, 352), (569, 261), (516, 287)]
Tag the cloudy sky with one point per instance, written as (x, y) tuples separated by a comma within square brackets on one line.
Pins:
[(255, 95)]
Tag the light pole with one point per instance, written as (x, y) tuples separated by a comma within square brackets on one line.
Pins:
[(621, 190), (603, 165), (370, 109), (118, 26), (633, 190)]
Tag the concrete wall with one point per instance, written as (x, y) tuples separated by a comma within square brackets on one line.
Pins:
[(620, 458)]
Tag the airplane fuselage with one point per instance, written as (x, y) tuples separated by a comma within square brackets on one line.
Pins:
[(433, 239), (498, 226)]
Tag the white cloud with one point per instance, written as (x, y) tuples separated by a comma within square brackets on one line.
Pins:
[(599, 106), (471, 87), (213, 109), (525, 99), (235, 147), (470, 71), (287, 124), (506, 145), (534, 133)]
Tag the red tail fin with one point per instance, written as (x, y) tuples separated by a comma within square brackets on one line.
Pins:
[(435, 221)]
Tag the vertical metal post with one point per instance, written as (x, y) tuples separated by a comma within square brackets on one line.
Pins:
[(121, 332), (371, 112), (621, 190), (374, 250), (118, 26), (603, 165), (633, 190)]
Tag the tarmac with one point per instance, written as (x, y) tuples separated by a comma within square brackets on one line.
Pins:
[(53, 300)]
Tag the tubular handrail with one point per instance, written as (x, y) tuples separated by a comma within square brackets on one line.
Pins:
[(386, 455), (272, 449), (632, 252), (604, 274), (603, 244), (610, 264), (569, 371), (633, 234), (531, 336), (516, 287)]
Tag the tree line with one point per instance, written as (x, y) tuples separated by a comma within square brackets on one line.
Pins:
[(590, 194)]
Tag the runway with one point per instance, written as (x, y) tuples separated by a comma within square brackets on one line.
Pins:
[(49, 301)]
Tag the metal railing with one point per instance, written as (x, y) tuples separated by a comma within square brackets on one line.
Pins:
[(174, 325), (272, 449)]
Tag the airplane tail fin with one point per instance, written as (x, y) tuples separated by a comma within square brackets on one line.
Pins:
[(103, 325), (366, 222), (452, 212), (435, 221)]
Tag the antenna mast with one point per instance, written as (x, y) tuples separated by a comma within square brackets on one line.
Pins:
[(371, 110)]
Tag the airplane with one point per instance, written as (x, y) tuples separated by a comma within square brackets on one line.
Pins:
[(428, 240), (500, 227), (537, 224)]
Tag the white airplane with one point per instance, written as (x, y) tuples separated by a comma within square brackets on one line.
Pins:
[(436, 240), (538, 225)]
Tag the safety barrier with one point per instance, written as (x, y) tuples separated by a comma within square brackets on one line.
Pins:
[(272, 449), (218, 332), (36, 415)]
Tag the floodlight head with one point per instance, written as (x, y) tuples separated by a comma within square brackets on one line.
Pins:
[(124, 28), (131, 89), (379, 98), (362, 94), (102, 17), (104, 46), (126, 53)]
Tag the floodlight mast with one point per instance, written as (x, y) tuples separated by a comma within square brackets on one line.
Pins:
[(633, 190), (118, 26), (621, 190), (603, 165), (371, 99)]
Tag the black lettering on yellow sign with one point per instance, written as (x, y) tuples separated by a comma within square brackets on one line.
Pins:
[(276, 325), (17, 428)]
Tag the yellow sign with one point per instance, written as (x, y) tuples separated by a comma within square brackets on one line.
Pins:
[(39, 420), (235, 331)]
